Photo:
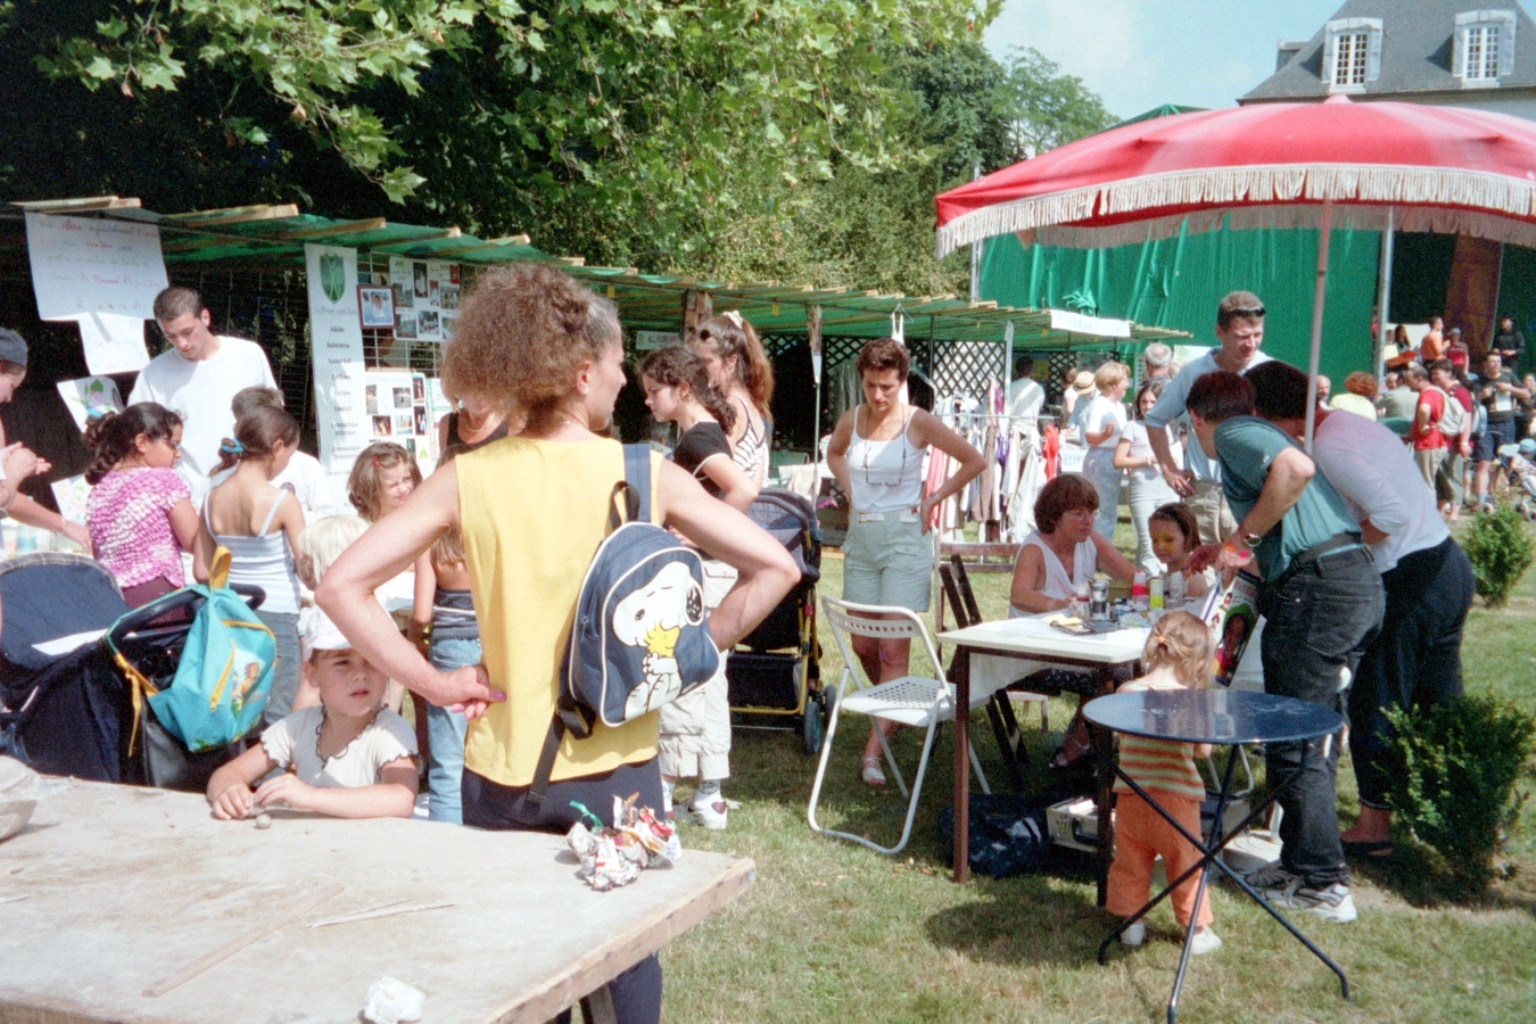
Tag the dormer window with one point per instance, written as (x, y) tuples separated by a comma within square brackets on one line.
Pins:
[(1352, 54), (1485, 47)]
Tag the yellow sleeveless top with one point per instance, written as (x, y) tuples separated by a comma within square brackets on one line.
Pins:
[(533, 514)]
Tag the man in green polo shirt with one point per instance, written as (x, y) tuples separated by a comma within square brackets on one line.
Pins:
[(1322, 604)]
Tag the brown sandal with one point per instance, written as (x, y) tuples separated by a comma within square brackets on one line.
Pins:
[(1076, 745)]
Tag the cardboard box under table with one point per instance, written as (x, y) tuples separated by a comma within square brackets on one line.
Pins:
[(126, 904)]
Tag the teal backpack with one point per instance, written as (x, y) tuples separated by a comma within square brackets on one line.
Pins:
[(225, 673)]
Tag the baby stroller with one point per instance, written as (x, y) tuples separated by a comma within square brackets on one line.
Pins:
[(61, 708), (775, 673), (72, 711), (1519, 461)]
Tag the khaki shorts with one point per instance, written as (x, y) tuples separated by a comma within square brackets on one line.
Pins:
[(887, 560)]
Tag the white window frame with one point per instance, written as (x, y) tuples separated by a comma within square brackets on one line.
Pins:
[(1472, 61), (1358, 42)]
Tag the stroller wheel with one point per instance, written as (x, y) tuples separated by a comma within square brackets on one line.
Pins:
[(813, 724)]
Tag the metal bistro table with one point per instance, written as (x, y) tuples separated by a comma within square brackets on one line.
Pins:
[(1226, 718), (990, 654)]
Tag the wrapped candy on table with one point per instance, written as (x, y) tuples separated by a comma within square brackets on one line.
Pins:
[(615, 855)]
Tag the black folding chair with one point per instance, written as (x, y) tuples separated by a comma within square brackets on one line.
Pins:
[(1005, 725)]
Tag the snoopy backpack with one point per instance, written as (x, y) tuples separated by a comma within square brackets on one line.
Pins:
[(640, 638)]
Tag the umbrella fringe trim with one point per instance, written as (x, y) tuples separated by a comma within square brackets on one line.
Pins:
[(1489, 194), (1493, 227)]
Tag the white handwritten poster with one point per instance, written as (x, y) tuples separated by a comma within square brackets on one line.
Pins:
[(82, 264), (113, 343), (336, 340)]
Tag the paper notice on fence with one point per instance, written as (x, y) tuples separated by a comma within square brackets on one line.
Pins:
[(90, 396), (86, 264), (72, 494), (113, 343)]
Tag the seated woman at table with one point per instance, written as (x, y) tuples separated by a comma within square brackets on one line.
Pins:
[(1177, 656), (1062, 552)]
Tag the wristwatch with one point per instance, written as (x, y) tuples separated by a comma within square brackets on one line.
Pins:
[(1253, 539)]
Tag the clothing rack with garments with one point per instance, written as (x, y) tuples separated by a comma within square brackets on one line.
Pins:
[(1001, 499)]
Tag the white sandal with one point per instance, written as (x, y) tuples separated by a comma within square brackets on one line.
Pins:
[(872, 774)]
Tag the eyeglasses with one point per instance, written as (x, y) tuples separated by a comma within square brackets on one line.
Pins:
[(1249, 311)]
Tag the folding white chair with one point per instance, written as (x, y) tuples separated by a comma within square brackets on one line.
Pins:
[(917, 701)]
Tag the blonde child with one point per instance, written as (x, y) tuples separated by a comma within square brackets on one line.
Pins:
[(443, 617), (139, 513), (1175, 534), (1177, 655), (321, 543), (696, 729), (260, 525), (384, 475), (350, 757)]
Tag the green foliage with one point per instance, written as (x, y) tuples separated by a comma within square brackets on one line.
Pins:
[(874, 228), (799, 140), (1454, 778), (1049, 109), (1500, 548)]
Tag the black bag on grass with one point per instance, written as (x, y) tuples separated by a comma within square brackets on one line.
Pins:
[(1009, 835)]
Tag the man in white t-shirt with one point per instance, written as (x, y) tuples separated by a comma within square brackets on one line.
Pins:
[(1025, 395), (197, 378), (1240, 330), (1416, 658)]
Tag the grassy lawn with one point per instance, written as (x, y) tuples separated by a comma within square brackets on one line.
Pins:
[(832, 931)]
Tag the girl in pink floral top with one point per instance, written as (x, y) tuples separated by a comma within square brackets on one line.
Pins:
[(140, 513)]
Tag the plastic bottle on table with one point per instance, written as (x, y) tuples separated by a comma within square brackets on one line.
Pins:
[(1173, 589), (1139, 599)]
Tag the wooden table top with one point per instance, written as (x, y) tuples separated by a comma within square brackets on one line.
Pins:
[(128, 897)]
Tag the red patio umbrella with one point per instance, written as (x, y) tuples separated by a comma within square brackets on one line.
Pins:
[(1374, 166)]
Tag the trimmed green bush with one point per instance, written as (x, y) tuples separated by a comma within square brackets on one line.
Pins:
[(1454, 779), (1500, 548)]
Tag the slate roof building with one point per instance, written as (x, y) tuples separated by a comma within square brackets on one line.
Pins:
[(1422, 51)]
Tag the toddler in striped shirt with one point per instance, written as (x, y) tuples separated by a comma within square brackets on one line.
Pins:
[(1177, 655)]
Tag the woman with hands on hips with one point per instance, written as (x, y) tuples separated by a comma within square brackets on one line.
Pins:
[(876, 454)]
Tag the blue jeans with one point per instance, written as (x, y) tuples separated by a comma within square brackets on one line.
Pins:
[(287, 666), (445, 735), (1415, 660), (1318, 622)]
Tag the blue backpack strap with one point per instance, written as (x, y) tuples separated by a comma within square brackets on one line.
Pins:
[(570, 717), (637, 474)]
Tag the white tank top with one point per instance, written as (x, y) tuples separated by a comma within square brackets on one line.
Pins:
[(886, 476), (1058, 585), (263, 561)]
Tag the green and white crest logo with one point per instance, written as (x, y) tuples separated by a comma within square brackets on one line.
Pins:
[(333, 276)]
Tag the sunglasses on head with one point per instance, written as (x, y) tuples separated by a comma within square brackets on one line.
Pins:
[(1253, 311)]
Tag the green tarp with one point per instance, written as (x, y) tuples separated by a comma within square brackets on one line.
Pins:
[(1177, 283)]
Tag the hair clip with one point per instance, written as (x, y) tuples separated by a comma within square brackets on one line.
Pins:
[(376, 462), (231, 447), (734, 317)]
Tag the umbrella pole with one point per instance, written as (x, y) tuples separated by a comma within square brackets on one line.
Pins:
[(1383, 300), (1317, 320)]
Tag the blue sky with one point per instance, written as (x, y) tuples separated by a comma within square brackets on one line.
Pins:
[(1138, 54)]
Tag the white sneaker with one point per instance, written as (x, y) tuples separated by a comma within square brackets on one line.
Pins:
[(709, 811), (1205, 941), (1134, 935), (1334, 903)]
